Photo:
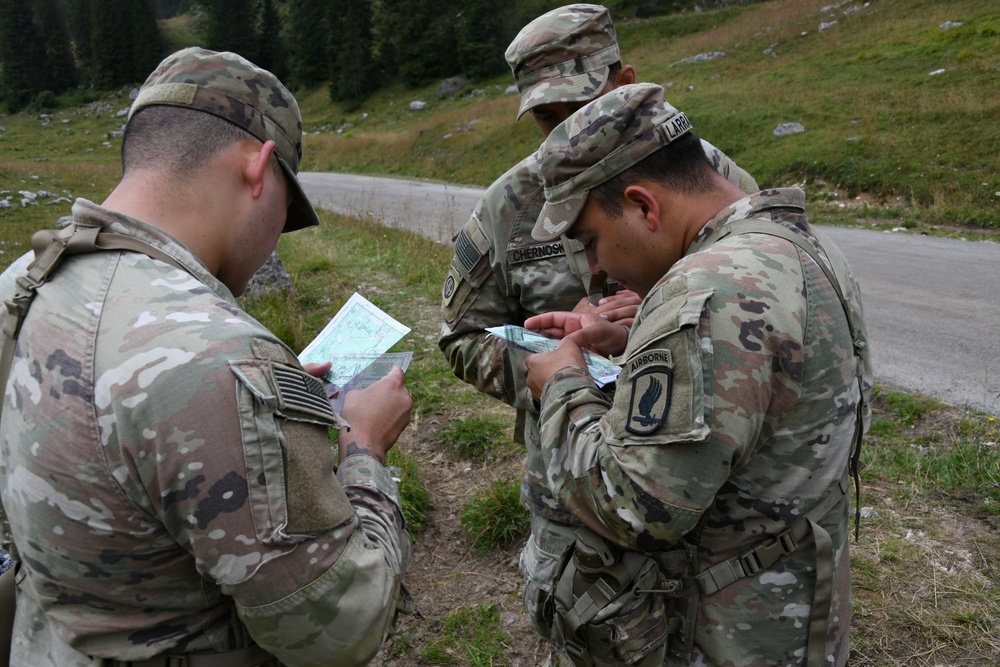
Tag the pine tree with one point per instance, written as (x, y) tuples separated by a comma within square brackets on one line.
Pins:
[(232, 26), (112, 63), (148, 45), (424, 41), (353, 74), (60, 70), (485, 30), (309, 60), (270, 44), (22, 58), (80, 29)]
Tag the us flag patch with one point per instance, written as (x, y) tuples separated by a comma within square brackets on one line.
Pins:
[(297, 390)]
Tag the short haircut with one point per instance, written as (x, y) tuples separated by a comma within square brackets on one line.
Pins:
[(680, 165), (176, 138)]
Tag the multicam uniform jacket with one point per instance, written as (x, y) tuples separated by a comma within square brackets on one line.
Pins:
[(500, 275), (735, 413), (166, 467)]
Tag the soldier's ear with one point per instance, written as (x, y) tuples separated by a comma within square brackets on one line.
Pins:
[(641, 201), (258, 166), (626, 76)]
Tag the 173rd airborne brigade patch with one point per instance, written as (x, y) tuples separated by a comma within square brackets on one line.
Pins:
[(652, 383)]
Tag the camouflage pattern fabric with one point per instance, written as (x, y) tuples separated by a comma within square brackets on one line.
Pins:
[(734, 414), (598, 142), (563, 55), (166, 467)]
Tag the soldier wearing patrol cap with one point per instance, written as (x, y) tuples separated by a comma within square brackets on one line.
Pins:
[(164, 459), (712, 485), (501, 275)]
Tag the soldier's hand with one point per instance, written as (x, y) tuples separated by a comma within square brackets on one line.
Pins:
[(318, 370), (620, 307), (377, 416), (588, 331), (543, 366), (600, 336), (557, 324)]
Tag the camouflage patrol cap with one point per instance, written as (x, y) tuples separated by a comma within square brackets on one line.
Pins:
[(598, 142), (563, 56), (229, 86)]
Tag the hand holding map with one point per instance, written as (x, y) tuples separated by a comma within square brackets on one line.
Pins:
[(602, 370), (356, 341)]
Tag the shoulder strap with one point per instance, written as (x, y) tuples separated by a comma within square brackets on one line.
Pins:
[(835, 275), (50, 247)]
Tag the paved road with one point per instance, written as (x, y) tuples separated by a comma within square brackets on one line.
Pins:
[(932, 304)]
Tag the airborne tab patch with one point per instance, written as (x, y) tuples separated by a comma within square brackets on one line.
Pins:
[(650, 400)]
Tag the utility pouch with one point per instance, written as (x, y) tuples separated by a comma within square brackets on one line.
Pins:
[(609, 606)]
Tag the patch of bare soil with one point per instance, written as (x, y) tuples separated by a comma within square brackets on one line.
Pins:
[(445, 573)]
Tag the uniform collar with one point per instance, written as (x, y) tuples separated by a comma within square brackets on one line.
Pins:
[(88, 214), (751, 206)]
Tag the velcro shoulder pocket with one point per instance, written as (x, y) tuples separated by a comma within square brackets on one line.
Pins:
[(472, 253), (662, 385), (469, 269), (285, 421)]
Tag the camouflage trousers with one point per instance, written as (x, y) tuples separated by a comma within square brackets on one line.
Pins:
[(596, 604)]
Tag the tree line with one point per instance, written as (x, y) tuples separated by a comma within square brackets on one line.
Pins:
[(51, 47)]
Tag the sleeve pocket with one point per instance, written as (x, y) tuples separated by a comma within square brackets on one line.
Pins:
[(662, 395), (291, 480)]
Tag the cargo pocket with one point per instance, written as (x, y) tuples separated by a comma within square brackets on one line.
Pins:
[(542, 561)]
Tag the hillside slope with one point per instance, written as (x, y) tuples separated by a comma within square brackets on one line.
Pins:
[(897, 100)]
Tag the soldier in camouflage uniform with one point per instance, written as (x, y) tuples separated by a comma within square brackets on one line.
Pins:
[(723, 455), (165, 460), (500, 275)]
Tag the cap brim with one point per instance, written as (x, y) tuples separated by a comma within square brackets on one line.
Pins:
[(301, 213), (577, 88), (556, 219)]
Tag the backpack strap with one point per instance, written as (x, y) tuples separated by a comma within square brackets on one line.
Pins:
[(50, 247)]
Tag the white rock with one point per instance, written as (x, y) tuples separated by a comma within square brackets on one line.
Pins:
[(788, 128)]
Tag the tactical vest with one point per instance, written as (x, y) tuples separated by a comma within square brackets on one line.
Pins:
[(50, 247), (651, 615)]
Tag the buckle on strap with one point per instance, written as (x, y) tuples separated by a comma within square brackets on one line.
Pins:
[(763, 555), (748, 563)]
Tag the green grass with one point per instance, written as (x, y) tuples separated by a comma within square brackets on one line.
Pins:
[(470, 636), (494, 518), (957, 462), (478, 437), (415, 500)]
